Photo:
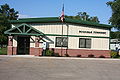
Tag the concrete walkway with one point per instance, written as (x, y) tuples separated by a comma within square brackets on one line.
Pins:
[(45, 57)]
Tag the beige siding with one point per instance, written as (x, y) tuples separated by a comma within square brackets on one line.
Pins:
[(56, 28), (74, 30), (73, 42), (32, 41), (51, 28), (15, 41), (100, 43)]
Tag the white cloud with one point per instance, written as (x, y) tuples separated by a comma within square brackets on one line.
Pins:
[(25, 16)]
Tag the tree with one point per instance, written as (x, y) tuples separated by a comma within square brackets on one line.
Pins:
[(115, 35), (6, 14), (85, 17), (4, 25), (115, 18)]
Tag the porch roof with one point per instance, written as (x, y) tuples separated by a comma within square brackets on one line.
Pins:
[(24, 29)]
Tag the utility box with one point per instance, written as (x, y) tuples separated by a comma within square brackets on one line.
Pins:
[(45, 45)]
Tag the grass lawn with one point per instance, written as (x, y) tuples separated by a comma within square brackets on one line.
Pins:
[(3, 51)]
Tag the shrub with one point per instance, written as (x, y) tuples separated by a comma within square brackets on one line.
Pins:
[(56, 55), (78, 55), (67, 55), (91, 56), (3, 51), (114, 54), (101, 56), (49, 52)]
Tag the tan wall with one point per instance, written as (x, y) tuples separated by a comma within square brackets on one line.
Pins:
[(32, 41), (51, 28), (74, 30), (73, 43), (100, 44), (56, 28), (15, 41)]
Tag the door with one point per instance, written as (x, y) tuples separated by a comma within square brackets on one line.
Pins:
[(23, 45)]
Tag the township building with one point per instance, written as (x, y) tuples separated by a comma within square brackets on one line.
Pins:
[(72, 37)]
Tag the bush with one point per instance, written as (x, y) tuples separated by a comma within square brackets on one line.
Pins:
[(67, 55), (91, 56), (3, 51), (79, 56), (114, 54), (56, 55), (49, 52), (101, 56)]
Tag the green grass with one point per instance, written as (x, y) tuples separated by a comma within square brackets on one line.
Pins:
[(3, 51)]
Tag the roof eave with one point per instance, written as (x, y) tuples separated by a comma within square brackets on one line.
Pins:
[(57, 19)]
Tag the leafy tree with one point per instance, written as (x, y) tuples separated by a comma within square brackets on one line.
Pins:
[(4, 25), (6, 14), (115, 18), (84, 16), (115, 35)]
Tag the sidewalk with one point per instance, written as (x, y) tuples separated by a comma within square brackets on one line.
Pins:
[(45, 57)]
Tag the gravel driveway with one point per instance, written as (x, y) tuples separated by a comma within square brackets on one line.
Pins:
[(21, 68)]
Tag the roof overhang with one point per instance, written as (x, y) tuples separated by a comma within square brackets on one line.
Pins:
[(57, 19), (24, 29)]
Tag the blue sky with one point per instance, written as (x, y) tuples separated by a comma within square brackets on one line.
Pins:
[(52, 8)]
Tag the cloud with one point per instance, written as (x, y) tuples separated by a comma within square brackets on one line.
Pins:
[(25, 16)]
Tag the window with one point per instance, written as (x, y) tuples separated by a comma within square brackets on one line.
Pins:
[(61, 42), (84, 43)]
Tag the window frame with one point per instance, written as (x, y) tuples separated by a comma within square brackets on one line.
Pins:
[(85, 44), (61, 40)]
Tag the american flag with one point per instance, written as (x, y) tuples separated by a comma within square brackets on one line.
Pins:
[(62, 15)]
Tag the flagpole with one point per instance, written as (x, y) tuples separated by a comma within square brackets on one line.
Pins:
[(62, 19), (67, 39), (62, 40)]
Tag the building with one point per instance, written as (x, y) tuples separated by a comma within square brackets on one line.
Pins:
[(72, 37), (115, 44)]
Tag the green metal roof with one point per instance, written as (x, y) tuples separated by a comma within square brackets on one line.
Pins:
[(57, 19)]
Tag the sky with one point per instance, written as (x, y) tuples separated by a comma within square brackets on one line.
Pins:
[(53, 8)]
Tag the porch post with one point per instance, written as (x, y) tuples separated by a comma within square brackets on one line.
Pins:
[(37, 39), (37, 48), (10, 45)]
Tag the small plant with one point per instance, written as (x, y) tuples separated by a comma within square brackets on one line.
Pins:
[(3, 51), (49, 52), (114, 54), (91, 56)]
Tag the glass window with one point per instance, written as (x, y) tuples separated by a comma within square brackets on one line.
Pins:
[(61, 42), (84, 43)]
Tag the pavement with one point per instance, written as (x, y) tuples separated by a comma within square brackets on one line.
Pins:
[(58, 68)]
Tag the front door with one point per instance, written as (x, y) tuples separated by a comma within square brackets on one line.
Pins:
[(23, 45)]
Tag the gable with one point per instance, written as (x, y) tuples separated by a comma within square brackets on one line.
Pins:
[(23, 29)]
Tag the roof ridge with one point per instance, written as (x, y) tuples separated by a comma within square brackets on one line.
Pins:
[(57, 19), (38, 18)]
